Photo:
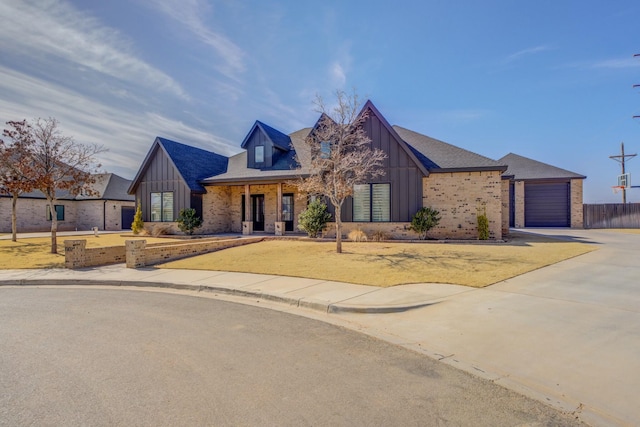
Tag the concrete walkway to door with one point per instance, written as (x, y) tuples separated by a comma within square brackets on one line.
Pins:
[(568, 334)]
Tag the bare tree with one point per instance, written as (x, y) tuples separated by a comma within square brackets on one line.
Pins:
[(341, 155), (16, 173), (60, 164)]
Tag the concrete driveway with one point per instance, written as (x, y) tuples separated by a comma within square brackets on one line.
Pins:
[(568, 334)]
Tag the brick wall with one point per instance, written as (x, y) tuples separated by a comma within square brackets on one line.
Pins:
[(139, 255), (78, 215), (519, 196), (77, 255), (459, 196), (576, 204), (505, 207), (216, 210)]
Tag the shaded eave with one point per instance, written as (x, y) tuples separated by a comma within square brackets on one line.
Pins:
[(272, 179)]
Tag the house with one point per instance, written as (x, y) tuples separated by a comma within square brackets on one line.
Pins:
[(253, 192), (542, 195), (110, 208), (170, 179)]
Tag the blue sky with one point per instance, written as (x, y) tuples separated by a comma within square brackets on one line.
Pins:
[(550, 80)]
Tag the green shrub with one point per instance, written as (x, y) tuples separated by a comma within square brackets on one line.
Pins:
[(137, 225), (314, 219), (188, 221), (424, 220), (483, 226)]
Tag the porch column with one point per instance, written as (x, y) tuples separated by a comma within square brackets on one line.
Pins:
[(279, 222), (519, 202), (247, 224)]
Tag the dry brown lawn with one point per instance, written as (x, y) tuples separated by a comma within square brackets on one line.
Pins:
[(36, 252), (623, 230), (390, 264)]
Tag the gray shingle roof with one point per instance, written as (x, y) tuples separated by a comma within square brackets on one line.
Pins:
[(193, 163), (439, 156), (521, 167), (108, 186), (285, 166)]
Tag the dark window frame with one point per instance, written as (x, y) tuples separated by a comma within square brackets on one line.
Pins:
[(163, 209), (59, 212), (371, 203)]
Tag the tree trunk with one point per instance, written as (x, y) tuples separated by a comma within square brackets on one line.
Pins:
[(14, 218), (54, 226), (338, 231)]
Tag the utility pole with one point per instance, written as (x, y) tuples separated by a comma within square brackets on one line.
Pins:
[(621, 159)]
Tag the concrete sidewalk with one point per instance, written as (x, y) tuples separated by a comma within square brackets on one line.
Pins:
[(322, 295)]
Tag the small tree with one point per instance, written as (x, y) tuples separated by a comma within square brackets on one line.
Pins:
[(188, 221), (341, 155), (137, 225), (483, 225), (314, 218), (59, 163), (16, 173), (424, 220)]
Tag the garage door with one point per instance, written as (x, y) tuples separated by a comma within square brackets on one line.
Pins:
[(547, 205)]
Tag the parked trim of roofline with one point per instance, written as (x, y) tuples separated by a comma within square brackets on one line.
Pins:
[(471, 169), (392, 131), (560, 178), (254, 180)]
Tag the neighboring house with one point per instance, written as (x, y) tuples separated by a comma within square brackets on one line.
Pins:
[(170, 179), (111, 208), (542, 195), (253, 192)]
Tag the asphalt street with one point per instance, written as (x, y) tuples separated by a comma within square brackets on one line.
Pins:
[(90, 356)]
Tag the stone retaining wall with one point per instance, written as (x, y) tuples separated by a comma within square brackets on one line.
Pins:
[(136, 253), (77, 255)]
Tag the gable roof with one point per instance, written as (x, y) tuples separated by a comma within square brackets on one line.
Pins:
[(192, 163), (401, 142), (286, 167), (277, 138), (439, 156), (521, 167)]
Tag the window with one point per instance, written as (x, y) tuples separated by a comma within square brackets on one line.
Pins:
[(59, 212), (287, 207), (259, 154), (325, 150), (372, 203), (162, 207)]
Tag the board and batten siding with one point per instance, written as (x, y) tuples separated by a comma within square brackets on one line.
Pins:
[(162, 176), (400, 171), (259, 138)]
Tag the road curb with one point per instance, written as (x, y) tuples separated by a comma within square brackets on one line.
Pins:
[(325, 307)]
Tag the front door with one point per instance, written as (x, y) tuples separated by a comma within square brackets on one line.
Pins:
[(257, 207), (287, 211)]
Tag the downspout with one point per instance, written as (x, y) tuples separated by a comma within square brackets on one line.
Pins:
[(104, 215)]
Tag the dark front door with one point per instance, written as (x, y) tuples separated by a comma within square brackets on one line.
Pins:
[(257, 207), (126, 217), (287, 211)]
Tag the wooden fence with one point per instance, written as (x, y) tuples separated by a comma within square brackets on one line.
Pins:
[(612, 215)]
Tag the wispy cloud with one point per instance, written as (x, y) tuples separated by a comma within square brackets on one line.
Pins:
[(55, 29), (127, 132), (190, 13), (523, 53), (629, 62)]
